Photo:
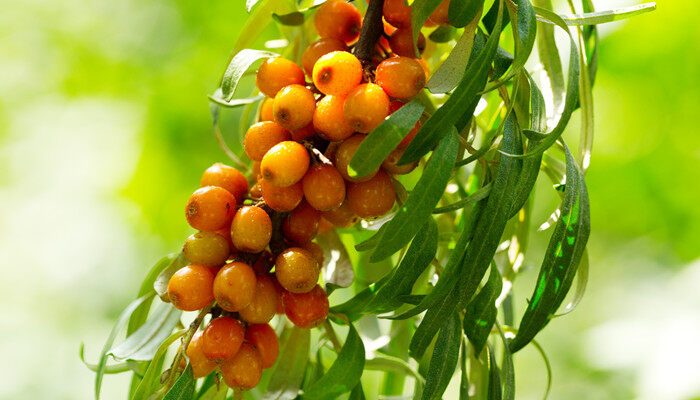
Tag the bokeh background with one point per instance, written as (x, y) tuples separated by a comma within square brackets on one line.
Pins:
[(105, 129)]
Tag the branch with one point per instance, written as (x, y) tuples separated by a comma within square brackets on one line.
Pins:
[(372, 29)]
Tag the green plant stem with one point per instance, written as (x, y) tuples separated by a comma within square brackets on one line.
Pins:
[(183, 347), (332, 336)]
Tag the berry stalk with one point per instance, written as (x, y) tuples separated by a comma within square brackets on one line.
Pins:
[(372, 29)]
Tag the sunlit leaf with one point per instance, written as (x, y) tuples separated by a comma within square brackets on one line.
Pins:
[(183, 388), (444, 359), (481, 311), (460, 13), (237, 67), (288, 372), (337, 265), (152, 375), (447, 76), (142, 344), (161, 283)]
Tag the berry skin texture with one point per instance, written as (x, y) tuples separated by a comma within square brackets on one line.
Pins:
[(191, 287), (305, 132), (285, 164), (264, 338), (207, 248), (301, 225), (210, 208), (297, 270), (244, 370), (338, 19), (397, 13), (234, 286), (306, 310), (276, 73), (401, 42), (222, 339), (227, 177), (341, 217), (337, 73), (366, 107), (325, 226), (261, 137), (439, 16), (329, 119), (201, 365), (251, 229), (324, 187), (344, 154), (266, 110), (281, 199), (264, 304), (400, 77), (318, 49), (373, 198), (293, 107), (315, 251)]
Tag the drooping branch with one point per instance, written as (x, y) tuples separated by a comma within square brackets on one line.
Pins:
[(372, 29)]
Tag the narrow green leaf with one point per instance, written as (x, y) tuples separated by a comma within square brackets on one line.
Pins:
[(444, 359), (215, 392), (508, 367), (447, 76), (494, 383), (139, 316), (601, 17), (161, 283), (420, 11), (109, 369), (357, 393), (337, 268), (471, 199), (295, 18), (183, 388), (464, 379), (288, 372), (547, 366), (249, 4), (216, 98), (353, 308), (581, 283), (384, 138), (524, 36), (460, 13), (142, 344), (345, 372), (152, 374), (548, 53), (481, 311), (384, 363), (239, 65), (442, 34), (258, 21)]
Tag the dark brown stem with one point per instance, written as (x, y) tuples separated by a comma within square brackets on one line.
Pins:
[(372, 29)]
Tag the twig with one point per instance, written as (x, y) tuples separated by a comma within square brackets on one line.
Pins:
[(372, 29), (185, 342), (330, 332)]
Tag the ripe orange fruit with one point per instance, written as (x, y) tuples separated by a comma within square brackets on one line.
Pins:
[(281, 199), (226, 177), (301, 225), (234, 286), (251, 229), (344, 154), (191, 288), (201, 365), (341, 217), (306, 310), (318, 49), (285, 164), (207, 248), (366, 107), (397, 13), (264, 338), (276, 73), (264, 304), (329, 119), (338, 19), (372, 198), (261, 137), (337, 73), (400, 77), (324, 187), (297, 270), (222, 338), (401, 42), (293, 107), (210, 208), (244, 370)]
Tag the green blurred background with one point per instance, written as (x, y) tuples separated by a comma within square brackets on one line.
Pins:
[(105, 129)]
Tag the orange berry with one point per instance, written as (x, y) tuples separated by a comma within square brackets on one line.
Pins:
[(264, 263), (244, 370), (234, 286), (372, 198), (306, 310), (264, 338), (397, 13), (261, 137), (324, 187), (293, 107), (266, 110), (207, 248), (285, 164), (191, 287), (324, 226), (341, 217), (329, 119), (210, 208), (201, 365), (276, 73), (305, 132), (344, 154), (390, 166), (439, 16), (338, 19), (337, 73), (222, 339), (256, 191), (400, 77), (366, 107), (225, 232), (297, 270), (301, 224), (227, 177), (281, 199), (251, 229), (318, 49), (264, 304), (315, 251), (280, 290), (401, 42)]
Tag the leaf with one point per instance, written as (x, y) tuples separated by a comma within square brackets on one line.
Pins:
[(581, 283), (214, 392), (494, 383), (249, 4), (152, 374), (288, 372), (357, 393), (460, 13), (161, 283), (237, 67), (601, 17), (377, 146), (444, 359), (442, 34), (420, 11), (353, 308), (139, 316), (464, 379), (216, 98), (337, 264), (481, 312), (183, 388), (417, 209), (384, 363), (471, 199), (295, 18), (451, 71), (258, 21), (548, 53), (524, 36), (508, 368), (561, 259), (142, 344), (345, 372), (109, 369)]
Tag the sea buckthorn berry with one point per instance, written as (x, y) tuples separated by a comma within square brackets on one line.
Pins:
[(293, 107), (225, 232), (401, 42), (191, 287), (315, 251), (306, 310), (251, 229), (256, 191), (234, 286), (227, 177), (329, 119), (344, 154), (318, 49), (280, 290), (276, 73), (337, 73), (301, 225), (207, 248), (338, 19), (397, 13), (201, 365), (390, 166), (244, 370), (305, 132), (222, 339), (264, 263), (266, 110), (324, 187), (373, 198), (341, 217), (264, 304), (297, 270), (439, 15), (285, 164), (400, 77), (261, 137), (264, 338), (281, 199), (210, 208), (324, 226), (366, 107)]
